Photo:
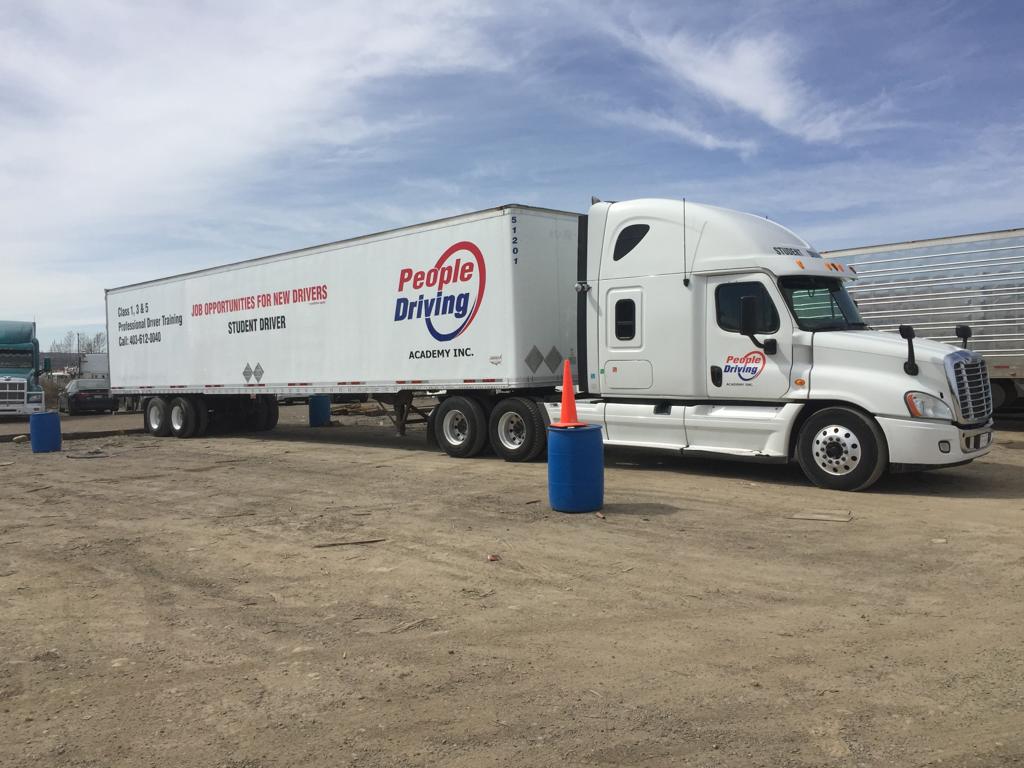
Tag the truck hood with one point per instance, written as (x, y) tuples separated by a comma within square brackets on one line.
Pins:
[(882, 343), (14, 375)]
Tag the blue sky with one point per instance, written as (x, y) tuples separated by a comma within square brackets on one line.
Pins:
[(143, 139)]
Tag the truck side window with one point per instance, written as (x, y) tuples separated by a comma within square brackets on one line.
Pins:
[(628, 239), (727, 306), (625, 319)]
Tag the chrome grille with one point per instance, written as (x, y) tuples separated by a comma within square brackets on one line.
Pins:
[(969, 377), (12, 392)]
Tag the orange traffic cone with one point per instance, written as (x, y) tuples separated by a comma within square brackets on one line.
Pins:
[(568, 416)]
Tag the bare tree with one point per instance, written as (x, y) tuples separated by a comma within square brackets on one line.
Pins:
[(68, 344), (80, 342)]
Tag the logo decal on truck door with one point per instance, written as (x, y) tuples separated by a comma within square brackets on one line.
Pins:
[(457, 283), (747, 367)]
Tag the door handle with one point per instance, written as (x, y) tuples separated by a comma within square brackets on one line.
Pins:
[(716, 375)]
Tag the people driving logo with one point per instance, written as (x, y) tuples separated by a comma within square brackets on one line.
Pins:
[(748, 367), (456, 290)]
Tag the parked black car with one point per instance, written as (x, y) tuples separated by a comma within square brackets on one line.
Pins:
[(80, 396)]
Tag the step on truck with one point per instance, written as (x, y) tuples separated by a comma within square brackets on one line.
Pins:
[(690, 328), (20, 392)]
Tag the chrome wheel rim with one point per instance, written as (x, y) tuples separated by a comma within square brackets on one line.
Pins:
[(455, 426), (511, 430), (177, 418), (837, 450), (154, 418)]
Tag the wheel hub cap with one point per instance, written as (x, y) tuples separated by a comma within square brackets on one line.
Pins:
[(511, 430), (837, 450), (456, 427)]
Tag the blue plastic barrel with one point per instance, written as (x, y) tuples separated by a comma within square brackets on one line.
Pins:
[(319, 410), (44, 431), (575, 468)]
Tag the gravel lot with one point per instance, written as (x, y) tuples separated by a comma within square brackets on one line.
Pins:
[(171, 603)]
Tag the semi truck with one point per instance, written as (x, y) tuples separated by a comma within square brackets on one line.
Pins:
[(20, 393), (690, 328), (935, 283)]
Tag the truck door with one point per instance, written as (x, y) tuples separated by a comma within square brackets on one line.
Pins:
[(737, 368)]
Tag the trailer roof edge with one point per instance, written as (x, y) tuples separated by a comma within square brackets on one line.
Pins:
[(497, 210)]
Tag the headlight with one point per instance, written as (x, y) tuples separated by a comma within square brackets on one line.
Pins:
[(34, 397), (922, 406)]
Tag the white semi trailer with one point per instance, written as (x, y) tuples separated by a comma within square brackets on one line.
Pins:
[(690, 328), (939, 283)]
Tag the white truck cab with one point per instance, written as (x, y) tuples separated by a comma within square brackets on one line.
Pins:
[(711, 331)]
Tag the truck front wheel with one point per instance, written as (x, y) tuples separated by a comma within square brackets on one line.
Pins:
[(517, 429), (842, 449), (158, 417), (461, 427)]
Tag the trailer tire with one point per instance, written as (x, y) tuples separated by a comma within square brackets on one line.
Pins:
[(158, 417), (842, 449), (273, 412), (1003, 394), (516, 429), (202, 416), (461, 427), (182, 417)]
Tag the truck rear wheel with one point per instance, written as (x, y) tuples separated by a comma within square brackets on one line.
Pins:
[(517, 429), (182, 417), (842, 449), (158, 417), (461, 427)]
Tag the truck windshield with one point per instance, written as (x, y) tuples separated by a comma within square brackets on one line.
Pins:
[(821, 304), (16, 359)]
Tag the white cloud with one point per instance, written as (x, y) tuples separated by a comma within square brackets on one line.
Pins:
[(651, 121), (753, 73), (115, 113)]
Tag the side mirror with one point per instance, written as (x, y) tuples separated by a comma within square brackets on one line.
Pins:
[(909, 367), (47, 365), (748, 315), (964, 332)]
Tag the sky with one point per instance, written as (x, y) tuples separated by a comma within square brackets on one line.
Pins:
[(142, 139)]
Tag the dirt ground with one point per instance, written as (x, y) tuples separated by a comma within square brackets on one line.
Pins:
[(172, 603)]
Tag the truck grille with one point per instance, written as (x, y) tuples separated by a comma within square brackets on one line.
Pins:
[(969, 377), (12, 392)]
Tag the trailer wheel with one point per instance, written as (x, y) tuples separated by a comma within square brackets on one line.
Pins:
[(182, 417), (517, 429), (271, 414), (842, 450), (1003, 394), (461, 427), (202, 415), (158, 417)]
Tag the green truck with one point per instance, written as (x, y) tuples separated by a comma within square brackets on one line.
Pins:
[(20, 393)]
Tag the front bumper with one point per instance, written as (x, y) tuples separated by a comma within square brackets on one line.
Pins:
[(21, 410), (917, 442)]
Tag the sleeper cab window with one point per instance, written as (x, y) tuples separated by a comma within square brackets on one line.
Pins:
[(727, 307), (628, 239), (625, 319)]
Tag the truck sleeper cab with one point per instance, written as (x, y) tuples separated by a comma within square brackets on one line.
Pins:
[(715, 332)]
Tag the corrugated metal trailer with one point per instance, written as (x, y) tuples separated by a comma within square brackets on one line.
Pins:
[(935, 285)]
